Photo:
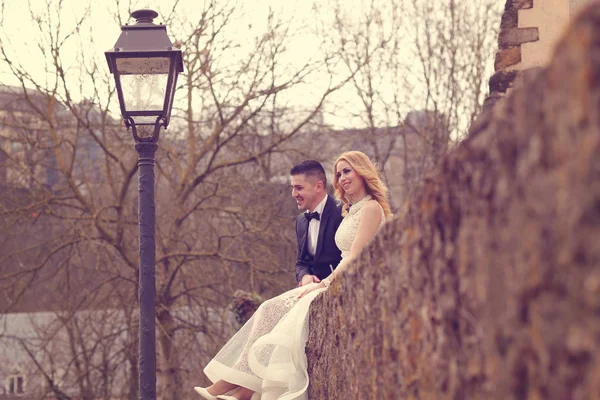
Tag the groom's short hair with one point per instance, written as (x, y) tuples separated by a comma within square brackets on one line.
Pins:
[(311, 168)]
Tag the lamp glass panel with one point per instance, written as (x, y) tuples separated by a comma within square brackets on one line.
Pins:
[(143, 82)]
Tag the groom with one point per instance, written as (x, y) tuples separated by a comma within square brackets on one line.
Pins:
[(317, 253)]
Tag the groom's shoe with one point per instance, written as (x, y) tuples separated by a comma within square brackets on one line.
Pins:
[(204, 393)]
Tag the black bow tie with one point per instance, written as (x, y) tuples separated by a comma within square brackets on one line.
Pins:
[(312, 215)]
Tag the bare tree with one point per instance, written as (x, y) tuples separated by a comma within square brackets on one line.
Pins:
[(454, 43), (221, 207), (426, 64)]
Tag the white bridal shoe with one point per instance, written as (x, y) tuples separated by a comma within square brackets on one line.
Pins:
[(255, 396), (204, 393)]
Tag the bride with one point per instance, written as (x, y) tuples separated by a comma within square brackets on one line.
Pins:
[(266, 358)]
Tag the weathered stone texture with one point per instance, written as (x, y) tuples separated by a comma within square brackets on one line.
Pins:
[(509, 55), (516, 36), (523, 4), (488, 287), (506, 58), (501, 81)]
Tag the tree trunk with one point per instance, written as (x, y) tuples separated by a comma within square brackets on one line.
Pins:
[(170, 378)]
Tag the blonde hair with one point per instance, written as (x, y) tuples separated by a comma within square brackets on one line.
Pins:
[(365, 168)]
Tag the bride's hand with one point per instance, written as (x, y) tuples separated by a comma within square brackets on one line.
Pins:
[(311, 288)]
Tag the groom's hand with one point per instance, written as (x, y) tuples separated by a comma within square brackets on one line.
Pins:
[(307, 279)]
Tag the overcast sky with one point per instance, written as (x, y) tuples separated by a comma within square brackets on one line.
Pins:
[(21, 37), (20, 29)]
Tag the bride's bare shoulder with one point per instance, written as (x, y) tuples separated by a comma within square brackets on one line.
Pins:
[(372, 209)]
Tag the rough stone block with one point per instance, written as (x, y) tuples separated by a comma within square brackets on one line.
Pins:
[(502, 80), (510, 20), (522, 4), (517, 36), (506, 58)]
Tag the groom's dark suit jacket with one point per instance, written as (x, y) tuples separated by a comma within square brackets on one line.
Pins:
[(327, 254)]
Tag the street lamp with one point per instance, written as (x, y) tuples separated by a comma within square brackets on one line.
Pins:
[(145, 66)]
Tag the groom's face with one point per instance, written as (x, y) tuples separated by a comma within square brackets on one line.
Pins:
[(306, 190)]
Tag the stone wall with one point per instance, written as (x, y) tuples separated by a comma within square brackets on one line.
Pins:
[(488, 287), (507, 62), (529, 31)]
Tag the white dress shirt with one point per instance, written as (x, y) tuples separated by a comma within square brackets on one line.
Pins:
[(313, 228)]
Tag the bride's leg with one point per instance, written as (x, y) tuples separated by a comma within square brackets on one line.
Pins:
[(267, 316), (221, 387), (243, 394), (263, 321)]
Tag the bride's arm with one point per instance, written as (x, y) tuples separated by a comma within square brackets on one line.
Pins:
[(370, 218)]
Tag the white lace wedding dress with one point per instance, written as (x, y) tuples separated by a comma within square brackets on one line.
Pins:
[(267, 354)]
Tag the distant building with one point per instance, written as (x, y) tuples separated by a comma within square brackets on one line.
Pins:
[(87, 355), (25, 156), (550, 18), (27, 121), (402, 153)]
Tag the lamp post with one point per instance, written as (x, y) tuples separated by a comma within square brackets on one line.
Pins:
[(145, 66)]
